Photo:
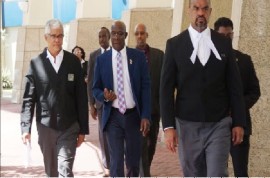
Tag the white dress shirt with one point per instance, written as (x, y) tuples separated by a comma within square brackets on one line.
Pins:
[(103, 50), (57, 61), (130, 103), (202, 45)]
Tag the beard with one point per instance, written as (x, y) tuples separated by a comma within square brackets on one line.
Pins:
[(201, 23)]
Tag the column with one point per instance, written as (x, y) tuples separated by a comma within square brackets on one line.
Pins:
[(93, 9), (91, 15), (30, 41), (254, 40), (155, 14)]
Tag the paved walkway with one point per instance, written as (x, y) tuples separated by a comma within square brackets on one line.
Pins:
[(87, 162)]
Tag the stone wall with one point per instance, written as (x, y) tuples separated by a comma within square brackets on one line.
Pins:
[(157, 20), (255, 40), (84, 33), (30, 43)]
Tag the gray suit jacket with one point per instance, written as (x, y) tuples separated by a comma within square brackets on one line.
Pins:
[(91, 66)]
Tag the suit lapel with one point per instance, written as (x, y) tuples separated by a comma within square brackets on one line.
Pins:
[(110, 71), (130, 61), (189, 45)]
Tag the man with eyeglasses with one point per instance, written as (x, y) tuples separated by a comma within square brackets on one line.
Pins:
[(251, 91), (55, 86), (154, 59), (122, 84)]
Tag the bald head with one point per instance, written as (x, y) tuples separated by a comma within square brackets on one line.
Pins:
[(119, 24), (192, 1), (141, 35), (140, 26), (118, 35)]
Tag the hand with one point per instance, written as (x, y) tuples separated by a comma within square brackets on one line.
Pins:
[(171, 139), (26, 137), (93, 112), (80, 140), (109, 95), (145, 126), (237, 135)]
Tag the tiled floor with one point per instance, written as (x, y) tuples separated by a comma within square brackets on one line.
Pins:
[(87, 162)]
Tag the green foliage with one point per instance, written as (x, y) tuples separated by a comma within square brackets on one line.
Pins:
[(6, 82)]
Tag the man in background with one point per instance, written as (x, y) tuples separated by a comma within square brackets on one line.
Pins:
[(251, 91), (95, 105), (154, 59)]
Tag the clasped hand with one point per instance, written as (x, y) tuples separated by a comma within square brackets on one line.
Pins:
[(109, 95)]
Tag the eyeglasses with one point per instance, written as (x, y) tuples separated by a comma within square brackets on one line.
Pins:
[(61, 36), (139, 33), (120, 33)]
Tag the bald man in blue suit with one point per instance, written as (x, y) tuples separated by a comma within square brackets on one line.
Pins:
[(123, 126)]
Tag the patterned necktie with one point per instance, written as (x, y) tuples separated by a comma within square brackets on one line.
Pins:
[(120, 85)]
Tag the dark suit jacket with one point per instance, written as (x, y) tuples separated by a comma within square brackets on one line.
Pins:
[(91, 65), (250, 82), (156, 58), (60, 98), (204, 93), (139, 79)]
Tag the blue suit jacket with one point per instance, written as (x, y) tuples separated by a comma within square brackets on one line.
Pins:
[(139, 79)]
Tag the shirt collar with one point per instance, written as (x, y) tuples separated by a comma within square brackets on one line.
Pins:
[(60, 54), (123, 52), (196, 37), (194, 34), (103, 50)]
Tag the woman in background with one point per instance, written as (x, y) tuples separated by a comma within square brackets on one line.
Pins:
[(79, 52)]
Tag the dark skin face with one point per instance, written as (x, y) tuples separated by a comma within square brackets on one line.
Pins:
[(103, 38), (141, 35), (226, 31), (199, 12), (118, 35)]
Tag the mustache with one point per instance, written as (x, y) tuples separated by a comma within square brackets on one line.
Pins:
[(200, 17)]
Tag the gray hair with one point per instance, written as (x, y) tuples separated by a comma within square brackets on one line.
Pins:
[(53, 23)]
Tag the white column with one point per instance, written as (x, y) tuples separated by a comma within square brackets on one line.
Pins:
[(178, 7), (94, 9), (149, 3), (236, 18), (36, 12)]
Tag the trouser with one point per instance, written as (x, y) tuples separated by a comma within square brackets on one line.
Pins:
[(58, 149), (103, 142), (124, 138), (149, 147), (240, 155), (204, 147)]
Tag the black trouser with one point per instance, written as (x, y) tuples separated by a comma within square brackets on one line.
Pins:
[(149, 147), (240, 156)]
